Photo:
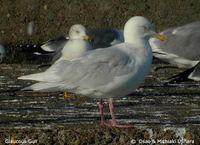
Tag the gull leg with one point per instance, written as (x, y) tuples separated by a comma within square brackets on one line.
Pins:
[(113, 122), (111, 108), (66, 95), (101, 106)]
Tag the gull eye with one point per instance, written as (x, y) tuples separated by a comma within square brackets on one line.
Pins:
[(145, 28), (77, 32)]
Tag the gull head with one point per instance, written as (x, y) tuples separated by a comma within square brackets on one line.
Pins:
[(78, 31), (139, 27)]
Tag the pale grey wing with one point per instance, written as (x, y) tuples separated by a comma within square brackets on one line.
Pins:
[(102, 38), (55, 45), (183, 41), (96, 68)]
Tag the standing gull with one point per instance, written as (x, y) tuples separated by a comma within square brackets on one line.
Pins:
[(104, 73), (181, 50)]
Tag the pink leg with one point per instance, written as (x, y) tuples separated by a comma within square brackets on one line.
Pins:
[(111, 108), (113, 122), (101, 106)]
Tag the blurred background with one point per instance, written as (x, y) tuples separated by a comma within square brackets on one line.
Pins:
[(36, 21)]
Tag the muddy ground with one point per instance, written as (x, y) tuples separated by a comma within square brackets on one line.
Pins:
[(156, 111)]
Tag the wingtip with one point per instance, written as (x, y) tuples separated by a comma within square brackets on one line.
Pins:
[(24, 78), (21, 78), (26, 89), (46, 48)]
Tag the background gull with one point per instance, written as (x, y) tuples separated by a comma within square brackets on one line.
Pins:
[(105, 37), (181, 50), (2, 53), (104, 73), (30, 28), (100, 38), (76, 45)]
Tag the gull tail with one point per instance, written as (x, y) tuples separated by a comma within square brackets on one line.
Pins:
[(183, 76), (35, 77), (55, 44), (33, 49), (42, 87)]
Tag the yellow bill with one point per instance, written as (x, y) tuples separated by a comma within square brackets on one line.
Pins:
[(160, 37), (86, 37)]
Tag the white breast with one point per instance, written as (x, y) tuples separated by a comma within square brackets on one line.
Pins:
[(75, 48)]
